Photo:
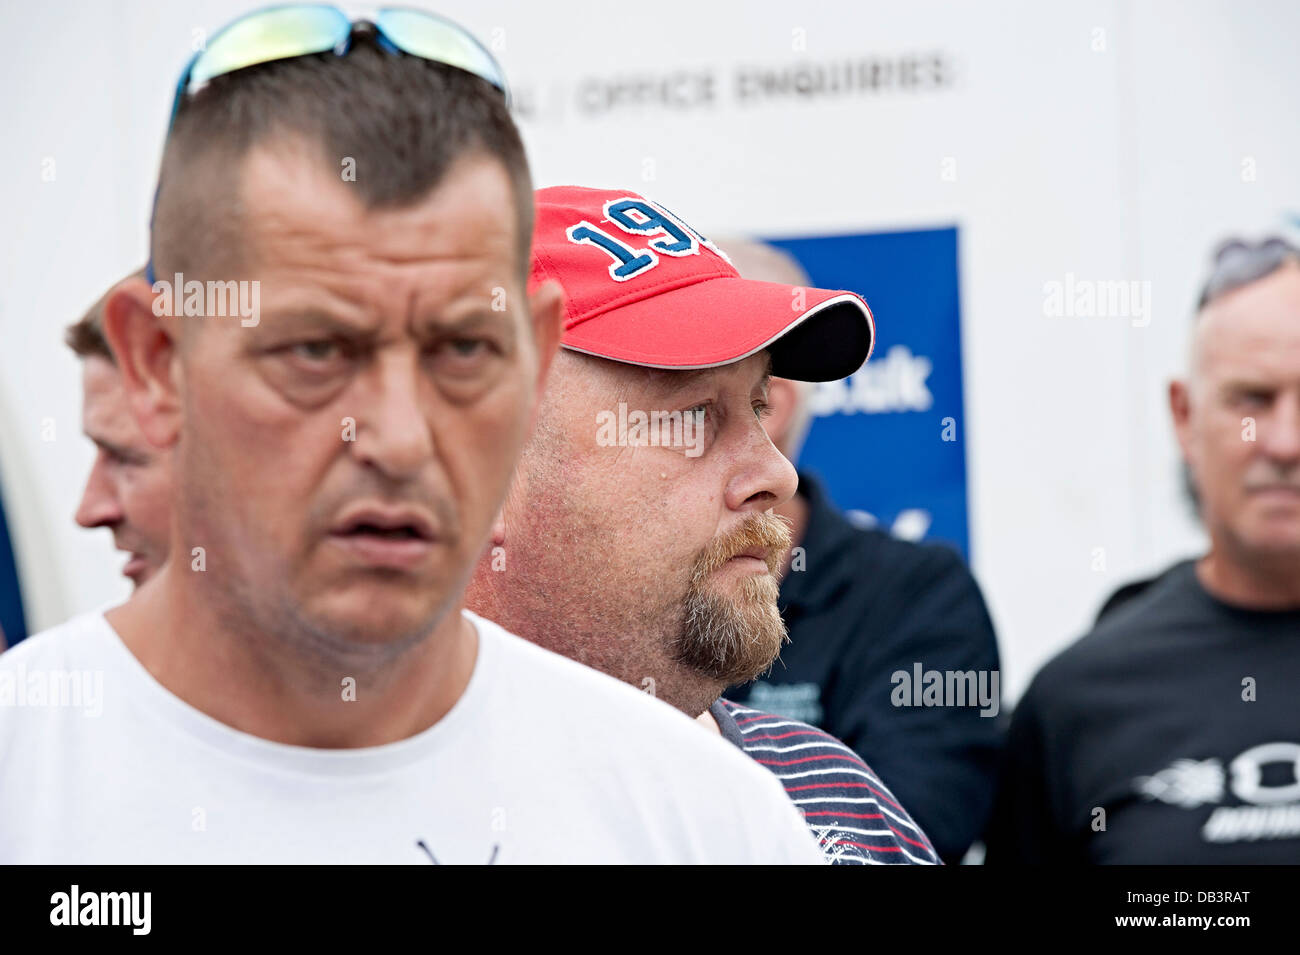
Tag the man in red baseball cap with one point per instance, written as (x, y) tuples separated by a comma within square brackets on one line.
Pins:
[(638, 537)]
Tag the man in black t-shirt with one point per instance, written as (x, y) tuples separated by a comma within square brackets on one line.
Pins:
[(1171, 732)]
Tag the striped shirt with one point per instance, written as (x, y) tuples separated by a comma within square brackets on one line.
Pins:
[(855, 817)]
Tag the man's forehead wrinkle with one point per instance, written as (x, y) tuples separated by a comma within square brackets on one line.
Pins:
[(680, 380), (673, 382), (431, 270), (307, 240), (329, 278), (670, 383), (1246, 367), (441, 225)]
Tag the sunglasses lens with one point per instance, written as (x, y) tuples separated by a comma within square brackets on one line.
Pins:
[(1238, 263), (424, 35), (275, 34)]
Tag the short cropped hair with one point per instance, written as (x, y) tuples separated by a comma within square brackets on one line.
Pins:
[(402, 119)]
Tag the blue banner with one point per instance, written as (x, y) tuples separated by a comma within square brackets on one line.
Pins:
[(890, 441)]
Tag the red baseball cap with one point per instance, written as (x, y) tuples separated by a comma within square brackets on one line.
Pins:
[(643, 287)]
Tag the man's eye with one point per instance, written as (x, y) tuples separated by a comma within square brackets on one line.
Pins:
[(467, 347), (123, 459), (1253, 397), (315, 351), (462, 356), (762, 409)]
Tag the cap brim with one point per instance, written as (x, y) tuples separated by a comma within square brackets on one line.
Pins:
[(812, 334)]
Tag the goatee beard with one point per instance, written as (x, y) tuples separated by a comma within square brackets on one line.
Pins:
[(733, 639)]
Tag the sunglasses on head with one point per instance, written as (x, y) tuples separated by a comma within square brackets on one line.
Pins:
[(308, 29), (1238, 263), (286, 32)]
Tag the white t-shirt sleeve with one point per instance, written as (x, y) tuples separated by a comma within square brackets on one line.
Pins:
[(771, 828), (792, 842)]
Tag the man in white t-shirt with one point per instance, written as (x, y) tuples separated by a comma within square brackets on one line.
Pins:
[(299, 682)]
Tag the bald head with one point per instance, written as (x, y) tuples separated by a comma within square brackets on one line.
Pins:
[(1262, 314), (763, 262)]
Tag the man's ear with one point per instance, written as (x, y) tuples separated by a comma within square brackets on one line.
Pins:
[(547, 307), (144, 346), (1180, 410)]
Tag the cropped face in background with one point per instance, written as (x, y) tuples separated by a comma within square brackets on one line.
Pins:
[(341, 458), (1238, 417), (670, 543), (130, 484)]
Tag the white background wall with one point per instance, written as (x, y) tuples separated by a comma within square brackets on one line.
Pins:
[(1119, 163)]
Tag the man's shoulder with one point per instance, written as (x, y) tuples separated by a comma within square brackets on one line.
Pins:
[(51, 672), (1118, 640), (656, 748), (761, 729), (771, 740), (608, 708), (66, 645), (832, 786)]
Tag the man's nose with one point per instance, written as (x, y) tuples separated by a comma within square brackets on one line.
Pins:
[(392, 430), (99, 505), (763, 478)]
